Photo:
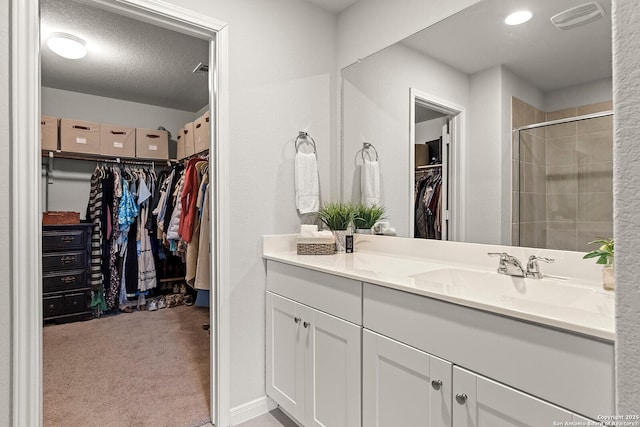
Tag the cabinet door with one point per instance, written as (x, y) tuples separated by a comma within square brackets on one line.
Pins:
[(403, 386), (285, 355), (333, 370), (481, 402)]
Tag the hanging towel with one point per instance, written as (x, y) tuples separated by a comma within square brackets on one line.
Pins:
[(370, 183), (307, 183)]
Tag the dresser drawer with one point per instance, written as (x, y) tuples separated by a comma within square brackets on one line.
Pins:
[(63, 240), (63, 280), (52, 306), (74, 303), (64, 261)]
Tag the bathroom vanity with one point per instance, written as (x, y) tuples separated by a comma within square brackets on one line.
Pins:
[(387, 337)]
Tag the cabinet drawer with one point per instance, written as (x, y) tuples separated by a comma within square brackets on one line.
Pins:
[(63, 240), (63, 261), (52, 306), (63, 280), (335, 295), (74, 303)]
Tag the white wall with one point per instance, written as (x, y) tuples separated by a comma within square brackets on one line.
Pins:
[(483, 208), (282, 79), (376, 105), (371, 25), (626, 83), (583, 94), (5, 261), (81, 106)]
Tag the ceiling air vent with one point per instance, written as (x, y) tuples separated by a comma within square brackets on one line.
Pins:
[(201, 68), (579, 15)]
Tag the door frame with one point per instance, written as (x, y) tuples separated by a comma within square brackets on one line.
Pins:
[(456, 172), (25, 201)]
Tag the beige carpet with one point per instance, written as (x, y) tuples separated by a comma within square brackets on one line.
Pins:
[(137, 369)]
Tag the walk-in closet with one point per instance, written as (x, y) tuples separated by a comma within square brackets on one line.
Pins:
[(430, 187), (126, 247)]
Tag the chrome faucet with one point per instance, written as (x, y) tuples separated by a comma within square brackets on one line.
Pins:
[(509, 264), (533, 269)]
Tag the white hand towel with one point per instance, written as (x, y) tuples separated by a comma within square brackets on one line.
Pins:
[(307, 183), (370, 183)]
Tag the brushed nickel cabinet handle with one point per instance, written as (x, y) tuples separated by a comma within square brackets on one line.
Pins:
[(306, 324), (436, 384), (68, 279), (297, 319), (67, 239), (461, 398)]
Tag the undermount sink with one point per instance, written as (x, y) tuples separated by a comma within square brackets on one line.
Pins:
[(544, 295)]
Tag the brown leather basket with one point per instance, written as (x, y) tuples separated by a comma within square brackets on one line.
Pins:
[(60, 217)]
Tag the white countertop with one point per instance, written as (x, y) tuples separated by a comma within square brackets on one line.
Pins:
[(573, 304)]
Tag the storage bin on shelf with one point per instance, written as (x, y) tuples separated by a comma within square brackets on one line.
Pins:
[(48, 133), (152, 144), (77, 136), (117, 141)]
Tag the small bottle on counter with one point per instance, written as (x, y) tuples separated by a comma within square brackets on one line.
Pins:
[(348, 242)]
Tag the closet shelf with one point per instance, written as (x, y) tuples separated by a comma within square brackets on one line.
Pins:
[(101, 158), (426, 167)]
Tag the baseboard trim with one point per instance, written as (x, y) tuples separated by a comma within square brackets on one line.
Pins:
[(250, 410)]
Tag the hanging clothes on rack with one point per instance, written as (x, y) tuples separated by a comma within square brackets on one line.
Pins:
[(203, 268), (123, 260), (428, 204)]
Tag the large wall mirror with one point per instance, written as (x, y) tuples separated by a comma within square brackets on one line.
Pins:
[(487, 132)]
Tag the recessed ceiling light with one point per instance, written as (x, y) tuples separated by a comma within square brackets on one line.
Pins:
[(67, 45), (518, 17)]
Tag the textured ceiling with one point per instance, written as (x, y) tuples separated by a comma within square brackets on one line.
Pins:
[(333, 6), (127, 59), (476, 39)]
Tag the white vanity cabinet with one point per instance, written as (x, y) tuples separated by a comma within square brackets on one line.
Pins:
[(403, 386), (313, 357), (571, 371)]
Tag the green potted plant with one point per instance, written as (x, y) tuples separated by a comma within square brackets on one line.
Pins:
[(367, 216), (337, 216), (605, 257)]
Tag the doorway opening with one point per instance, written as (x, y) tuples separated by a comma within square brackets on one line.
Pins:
[(26, 194), (436, 135)]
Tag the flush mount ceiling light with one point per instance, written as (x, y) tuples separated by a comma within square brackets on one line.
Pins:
[(518, 17), (67, 45)]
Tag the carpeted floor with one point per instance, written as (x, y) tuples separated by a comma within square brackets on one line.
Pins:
[(137, 369)]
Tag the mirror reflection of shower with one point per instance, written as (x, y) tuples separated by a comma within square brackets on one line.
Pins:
[(562, 191)]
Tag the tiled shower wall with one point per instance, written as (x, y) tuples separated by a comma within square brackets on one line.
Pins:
[(529, 195), (564, 178)]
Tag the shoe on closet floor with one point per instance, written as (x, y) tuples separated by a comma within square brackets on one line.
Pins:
[(153, 305), (170, 300), (183, 289), (179, 299), (188, 300), (162, 303), (176, 288)]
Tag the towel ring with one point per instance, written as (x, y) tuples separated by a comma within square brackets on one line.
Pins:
[(366, 146), (304, 136)]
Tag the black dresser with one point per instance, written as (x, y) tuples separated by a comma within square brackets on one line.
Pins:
[(66, 258)]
